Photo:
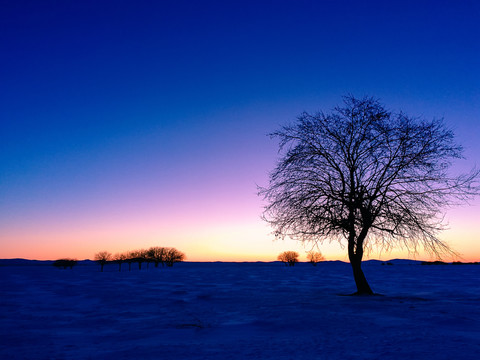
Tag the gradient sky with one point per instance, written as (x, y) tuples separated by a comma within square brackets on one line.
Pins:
[(129, 124)]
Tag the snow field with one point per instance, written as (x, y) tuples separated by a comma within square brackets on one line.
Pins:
[(239, 311)]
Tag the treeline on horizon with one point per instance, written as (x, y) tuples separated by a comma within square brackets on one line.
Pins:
[(156, 254), (169, 256)]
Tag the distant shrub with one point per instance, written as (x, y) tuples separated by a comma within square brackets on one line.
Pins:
[(65, 263), (315, 257), (438, 262), (289, 257), (465, 263)]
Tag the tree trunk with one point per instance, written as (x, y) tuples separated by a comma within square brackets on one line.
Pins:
[(362, 285), (355, 255)]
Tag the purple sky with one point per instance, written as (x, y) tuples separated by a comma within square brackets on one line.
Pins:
[(129, 124)]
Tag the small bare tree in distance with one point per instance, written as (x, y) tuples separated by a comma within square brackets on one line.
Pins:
[(173, 256), (288, 257), (139, 256), (367, 176), (102, 258), (130, 257), (120, 258), (157, 254), (315, 257)]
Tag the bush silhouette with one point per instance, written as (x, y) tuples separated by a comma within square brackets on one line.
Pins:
[(289, 257), (65, 263), (315, 257)]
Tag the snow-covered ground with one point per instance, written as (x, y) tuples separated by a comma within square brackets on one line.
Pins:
[(239, 311)]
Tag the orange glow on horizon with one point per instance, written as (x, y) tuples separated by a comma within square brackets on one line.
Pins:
[(246, 239), (50, 247)]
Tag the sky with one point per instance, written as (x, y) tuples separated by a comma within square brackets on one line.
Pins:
[(130, 124)]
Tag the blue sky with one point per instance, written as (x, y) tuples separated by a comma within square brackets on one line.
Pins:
[(131, 123)]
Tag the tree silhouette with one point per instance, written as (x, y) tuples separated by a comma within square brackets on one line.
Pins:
[(120, 258), (139, 256), (102, 258), (173, 256), (315, 257), (367, 176), (288, 257), (157, 254), (129, 259)]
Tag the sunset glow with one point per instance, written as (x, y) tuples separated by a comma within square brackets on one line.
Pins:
[(124, 127)]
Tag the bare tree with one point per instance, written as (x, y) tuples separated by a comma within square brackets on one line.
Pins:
[(102, 258), (315, 257), (364, 175), (288, 257), (157, 254), (129, 259), (120, 258), (173, 256), (139, 256)]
